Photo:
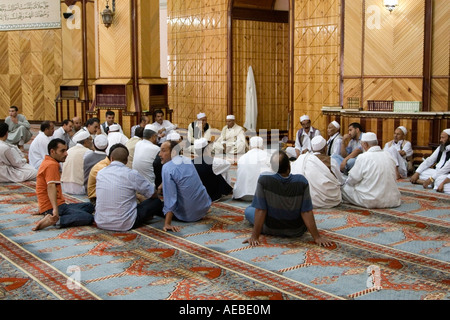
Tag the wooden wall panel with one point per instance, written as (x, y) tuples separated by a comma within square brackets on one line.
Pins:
[(353, 37), (149, 45), (440, 95), (441, 38)]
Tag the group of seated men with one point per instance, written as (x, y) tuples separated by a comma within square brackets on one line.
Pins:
[(155, 173)]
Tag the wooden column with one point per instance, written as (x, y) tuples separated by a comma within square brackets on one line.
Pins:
[(426, 92)]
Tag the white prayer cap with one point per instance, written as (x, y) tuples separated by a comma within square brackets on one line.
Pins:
[(447, 131), (256, 142), (81, 135), (101, 142), (151, 127), (173, 136), (336, 124), (405, 131), (201, 115), (304, 117), (114, 128), (369, 136), (200, 143), (230, 117), (318, 143)]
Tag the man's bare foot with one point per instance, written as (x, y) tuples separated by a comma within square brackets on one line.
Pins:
[(45, 222)]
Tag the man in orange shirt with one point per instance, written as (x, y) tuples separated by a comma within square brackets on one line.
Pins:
[(51, 200)]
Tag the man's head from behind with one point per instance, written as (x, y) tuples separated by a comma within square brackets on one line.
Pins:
[(280, 163), (3, 130), (120, 153)]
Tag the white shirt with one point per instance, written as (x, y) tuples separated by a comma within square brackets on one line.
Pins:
[(234, 138), (166, 124), (145, 153), (306, 139), (38, 149)]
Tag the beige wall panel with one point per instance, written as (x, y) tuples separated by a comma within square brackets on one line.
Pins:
[(4, 53), (407, 89), (16, 93), (441, 37), (149, 47), (4, 95), (377, 89), (353, 37), (440, 95), (352, 88)]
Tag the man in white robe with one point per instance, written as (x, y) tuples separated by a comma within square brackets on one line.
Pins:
[(429, 176), (401, 150), (13, 164), (335, 140), (18, 127), (39, 146), (196, 130), (249, 167), (163, 126), (72, 176), (145, 153), (232, 138), (303, 138), (322, 173), (115, 136), (372, 182)]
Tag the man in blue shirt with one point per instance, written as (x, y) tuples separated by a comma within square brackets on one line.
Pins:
[(282, 204), (185, 196)]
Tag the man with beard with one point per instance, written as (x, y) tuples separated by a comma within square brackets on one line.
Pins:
[(303, 138), (350, 148), (439, 159)]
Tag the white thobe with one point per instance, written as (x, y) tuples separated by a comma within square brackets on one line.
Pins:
[(145, 153), (114, 138), (249, 168), (234, 139), (38, 149), (439, 180), (442, 167), (72, 175), (394, 149), (305, 142), (372, 182), (335, 141), (166, 124), (14, 167), (324, 186)]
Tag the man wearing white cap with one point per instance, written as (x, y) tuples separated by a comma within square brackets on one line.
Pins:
[(372, 182), (163, 127), (146, 152), (249, 168), (401, 150), (212, 171), (38, 148), (115, 136), (92, 157), (72, 175), (303, 138), (322, 173), (198, 129), (232, 138), (335, 139), (427, 176)]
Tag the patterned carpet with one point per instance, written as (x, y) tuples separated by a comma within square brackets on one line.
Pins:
[(405, 250)]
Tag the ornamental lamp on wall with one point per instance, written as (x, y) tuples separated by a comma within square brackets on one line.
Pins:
[(390, 4), (108, 14)]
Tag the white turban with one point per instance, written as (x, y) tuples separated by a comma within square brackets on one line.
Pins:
[(81, 135), (256, 142), (173, 136), (304, 117), (336, 124), (151, 127), (201, 115), (114, 128), (101, 142), (447, 131), (369, 136), (318, 143), (405, 131), (230, 117), (200, 143)]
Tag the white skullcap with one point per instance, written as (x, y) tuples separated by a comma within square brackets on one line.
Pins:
[(230, 117), (101, 142), (81, 135), (336, 124), (369, 136), (447, 131), (318, 143), (151, 127), (304, 117), (114, 128), (256, 142), (201, 115), (405, 131), (173, 136), (200, 143)]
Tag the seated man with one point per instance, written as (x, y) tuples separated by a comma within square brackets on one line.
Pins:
[(109, 121), (72, 176), (211, 170), (323, 174), (116, 207), (18, 127), (350, 148), (163, 127), (131, 145), (401, 150), (372, 182), (50, 197), (232, 139), (38, 147), (91, 158), (185, 196), (282, 205), (142, 123), (425, 174), (303, 138), (115, 136), (335, 141), (65, 132), (12, 161), (197, 130), (444, 186), (249, 168), (145, 154)]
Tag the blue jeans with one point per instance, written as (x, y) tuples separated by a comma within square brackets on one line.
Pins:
[(146, 210), (74, 214), (348, 166)]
